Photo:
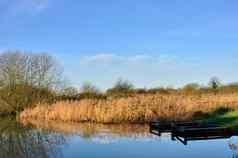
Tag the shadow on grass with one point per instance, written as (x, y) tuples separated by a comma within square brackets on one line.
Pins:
[(223, 116)]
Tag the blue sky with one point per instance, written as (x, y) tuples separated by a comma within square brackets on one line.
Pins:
[(149, 42)]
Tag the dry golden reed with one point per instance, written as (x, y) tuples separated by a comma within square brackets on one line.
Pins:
[(136, 109)]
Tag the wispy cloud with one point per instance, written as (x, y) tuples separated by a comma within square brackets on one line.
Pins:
[(35, 4), (101, 58), (16, 7), (142, 69), (108, 58)]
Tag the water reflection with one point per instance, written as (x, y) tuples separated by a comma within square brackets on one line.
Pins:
[(17, 141), (100, 133), (192, 131), (233, 145), (39, 139)]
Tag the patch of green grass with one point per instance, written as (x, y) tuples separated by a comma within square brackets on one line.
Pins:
[(226, 119)]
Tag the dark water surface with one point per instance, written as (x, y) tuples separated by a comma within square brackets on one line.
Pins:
[(34, 139)]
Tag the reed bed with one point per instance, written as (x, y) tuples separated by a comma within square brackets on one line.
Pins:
[(135, 109)]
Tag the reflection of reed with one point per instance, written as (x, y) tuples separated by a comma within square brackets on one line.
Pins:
[(102, 132), (17, 141)]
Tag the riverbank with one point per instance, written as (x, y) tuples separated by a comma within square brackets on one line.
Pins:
[(223, 117), (136, 109)]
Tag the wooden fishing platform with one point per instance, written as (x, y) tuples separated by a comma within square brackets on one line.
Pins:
[(191, 131)]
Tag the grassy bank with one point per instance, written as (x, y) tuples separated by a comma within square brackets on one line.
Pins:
[(136, 109), (224, 116)]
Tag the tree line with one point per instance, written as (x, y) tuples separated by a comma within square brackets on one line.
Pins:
[(124, 88)]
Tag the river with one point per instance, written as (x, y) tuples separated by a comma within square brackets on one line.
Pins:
[(38, 139)]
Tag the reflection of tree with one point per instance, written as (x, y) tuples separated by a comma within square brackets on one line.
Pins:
[(19, 142)]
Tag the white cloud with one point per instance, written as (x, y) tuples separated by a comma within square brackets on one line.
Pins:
[(108, 58), (165, 58), (149, 70), (140, 58), (100, 58), (142, 69)]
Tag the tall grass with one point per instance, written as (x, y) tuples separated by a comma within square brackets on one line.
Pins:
[(135, 109)]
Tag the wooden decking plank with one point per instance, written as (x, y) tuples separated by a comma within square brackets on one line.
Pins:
[(188, 131)]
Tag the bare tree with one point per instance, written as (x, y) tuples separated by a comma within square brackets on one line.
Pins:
[(191, 88), (121, 86), (38, 70), (70, 91), (87, 87), (11, 68), (214, 84), (26, 77)]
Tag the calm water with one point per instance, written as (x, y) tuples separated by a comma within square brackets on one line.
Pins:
[(34, 139)]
